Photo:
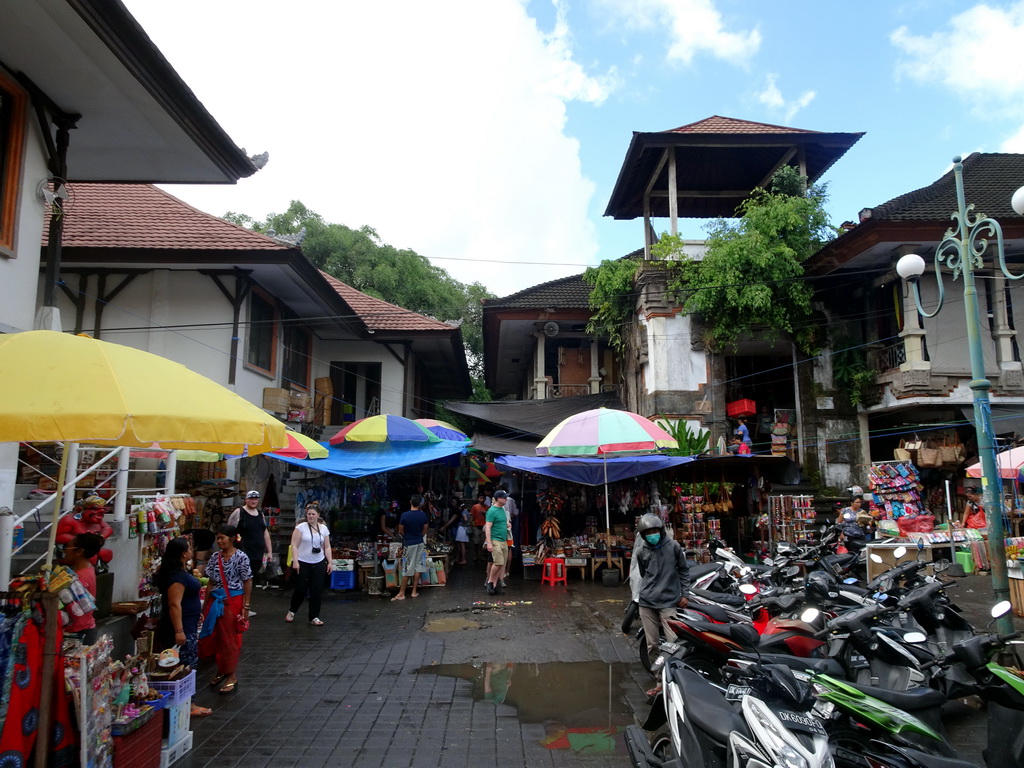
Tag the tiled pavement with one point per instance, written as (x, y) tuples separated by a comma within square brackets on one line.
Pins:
[(350, 693)]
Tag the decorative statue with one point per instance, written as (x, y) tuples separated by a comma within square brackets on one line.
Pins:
[(89, 519)]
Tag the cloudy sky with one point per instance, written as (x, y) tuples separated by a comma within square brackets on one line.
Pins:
[(488, 134)]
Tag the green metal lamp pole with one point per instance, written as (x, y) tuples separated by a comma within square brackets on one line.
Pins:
[(961, 250)]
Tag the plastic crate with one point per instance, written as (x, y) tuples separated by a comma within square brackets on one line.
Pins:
[(343, 579), (169, 755), (180, 690), (738, 408), (176, 722)]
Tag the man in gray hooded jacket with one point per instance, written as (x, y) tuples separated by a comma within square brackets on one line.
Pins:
[(664, 580)]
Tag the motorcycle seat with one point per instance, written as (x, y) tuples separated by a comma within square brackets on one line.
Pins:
[(744, 634), (784, 602), (797, 663), (696, 571), (713, 612), (932, 761), (733, 601), (913, 700), (708, 709), (841, 561)]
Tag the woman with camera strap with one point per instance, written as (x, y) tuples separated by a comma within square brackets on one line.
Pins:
[(312, 561)]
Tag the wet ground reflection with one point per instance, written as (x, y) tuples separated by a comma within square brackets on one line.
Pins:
[(582, 704)]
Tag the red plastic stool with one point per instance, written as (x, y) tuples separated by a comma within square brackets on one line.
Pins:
[(554, 572)]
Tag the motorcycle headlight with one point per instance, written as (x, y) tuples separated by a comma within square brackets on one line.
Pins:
[(790, 758), (773, 739)]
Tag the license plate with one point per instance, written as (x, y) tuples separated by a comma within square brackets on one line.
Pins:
[(800, 722)]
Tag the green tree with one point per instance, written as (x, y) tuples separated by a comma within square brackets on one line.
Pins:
[(612, 299), (398, 275), (752, 275)]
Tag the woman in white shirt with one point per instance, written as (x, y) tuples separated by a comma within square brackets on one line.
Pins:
[(311, 559)]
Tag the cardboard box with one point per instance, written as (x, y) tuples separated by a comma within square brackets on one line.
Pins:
[(323, 385), (276, 400), (299, 401)]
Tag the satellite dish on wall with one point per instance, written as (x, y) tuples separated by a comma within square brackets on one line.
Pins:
[(551, 328)]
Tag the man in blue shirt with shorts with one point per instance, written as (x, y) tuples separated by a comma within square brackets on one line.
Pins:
[(412, 527)]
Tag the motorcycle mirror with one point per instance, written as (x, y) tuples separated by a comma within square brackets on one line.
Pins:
[(769, 562), (915, 637), (811, 614), (899, 552), (748, 589), (1000, 609), (875, 558), (744, 571), (940, 565), (793, 570)]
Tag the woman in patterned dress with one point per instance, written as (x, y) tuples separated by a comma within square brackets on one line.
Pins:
[(226, 611)]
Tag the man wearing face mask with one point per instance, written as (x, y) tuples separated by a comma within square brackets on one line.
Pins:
[(664, 581)]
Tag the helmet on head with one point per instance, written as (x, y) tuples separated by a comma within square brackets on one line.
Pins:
[(651, 521), (252, 495)]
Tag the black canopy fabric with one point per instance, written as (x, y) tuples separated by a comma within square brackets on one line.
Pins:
[(532, 417)]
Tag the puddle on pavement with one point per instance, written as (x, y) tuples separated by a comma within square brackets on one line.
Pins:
[(450, 624), (581, 704)]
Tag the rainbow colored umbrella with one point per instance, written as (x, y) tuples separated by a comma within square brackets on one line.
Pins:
[(301, 447), (384, 428), (605, 432), (443, 429)]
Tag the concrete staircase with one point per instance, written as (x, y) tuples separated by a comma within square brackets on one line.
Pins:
[(22, 504)]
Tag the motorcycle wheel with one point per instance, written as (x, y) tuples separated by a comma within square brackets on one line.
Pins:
[(632, 612), (662, 746), (645, 656), (705, 667), (847, 747)]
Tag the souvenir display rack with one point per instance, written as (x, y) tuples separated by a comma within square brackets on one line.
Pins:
[(895, 490), (791, 518)]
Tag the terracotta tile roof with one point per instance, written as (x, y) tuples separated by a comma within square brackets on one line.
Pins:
[(719, 124), (990, 180), (380, 315), (141, 216)]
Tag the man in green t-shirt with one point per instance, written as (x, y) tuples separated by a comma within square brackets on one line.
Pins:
[(495, 536)]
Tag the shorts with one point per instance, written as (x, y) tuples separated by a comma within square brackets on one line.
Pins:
[(499, 552), (414, 559)]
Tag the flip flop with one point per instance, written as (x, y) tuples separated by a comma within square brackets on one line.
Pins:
[(229, 688), (201, 711), (217, 681), (396, 598), (415, 594), (316, 623), (654, 691)]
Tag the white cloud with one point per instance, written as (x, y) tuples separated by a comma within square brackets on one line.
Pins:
[(442, 124), (694, 27), (772, 98), (974, 55)]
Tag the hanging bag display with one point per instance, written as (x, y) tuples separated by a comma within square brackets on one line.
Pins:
[(948, 454), (901, 454), (928, 455)]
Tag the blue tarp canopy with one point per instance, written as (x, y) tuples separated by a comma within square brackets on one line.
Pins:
[(591, 471), (361, 459)]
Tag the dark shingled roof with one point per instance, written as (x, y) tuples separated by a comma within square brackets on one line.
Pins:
[(990, 179), (563, 293)]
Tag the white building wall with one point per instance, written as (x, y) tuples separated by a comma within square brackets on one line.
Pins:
[(672, 363), (19, 276), (392, 373)]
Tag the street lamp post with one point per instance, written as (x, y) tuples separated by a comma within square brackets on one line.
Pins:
[(962, 249)]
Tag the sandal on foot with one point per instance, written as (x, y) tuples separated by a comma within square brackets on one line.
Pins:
[(316, 623), (290, 616), (415, 594), (397, 597), (217, 681), (654, 691), (201, 711), (229, 688)]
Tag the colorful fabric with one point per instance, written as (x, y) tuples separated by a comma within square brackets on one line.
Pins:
[(21, 721), (414, 559), (236, 567)]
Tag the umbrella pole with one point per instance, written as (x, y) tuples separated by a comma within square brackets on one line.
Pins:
[(607, 516), (61, 479)]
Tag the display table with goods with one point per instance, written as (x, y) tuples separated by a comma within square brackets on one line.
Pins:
[(389, 557)]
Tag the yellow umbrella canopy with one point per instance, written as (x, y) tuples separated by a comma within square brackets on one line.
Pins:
[(59, 387)]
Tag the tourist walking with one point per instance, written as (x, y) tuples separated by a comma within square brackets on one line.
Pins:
[(312, 560)]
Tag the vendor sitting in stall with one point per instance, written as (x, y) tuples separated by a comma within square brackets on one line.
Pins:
[(974, 510), (855, 522)]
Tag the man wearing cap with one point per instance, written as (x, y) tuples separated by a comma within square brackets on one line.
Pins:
[(253, 531), (496, 541)]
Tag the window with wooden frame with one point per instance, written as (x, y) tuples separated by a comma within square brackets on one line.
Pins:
[(12, 138), (261, 350), (297, 350)]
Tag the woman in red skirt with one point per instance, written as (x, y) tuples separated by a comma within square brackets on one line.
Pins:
[(226, 613)]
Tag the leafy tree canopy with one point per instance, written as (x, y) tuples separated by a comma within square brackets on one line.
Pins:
[(752, 276), (401, 276), (612, 299)]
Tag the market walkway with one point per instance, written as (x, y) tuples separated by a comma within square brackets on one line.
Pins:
[(421, 683)]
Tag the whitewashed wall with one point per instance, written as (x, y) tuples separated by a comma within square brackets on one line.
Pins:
[(672, 363)]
